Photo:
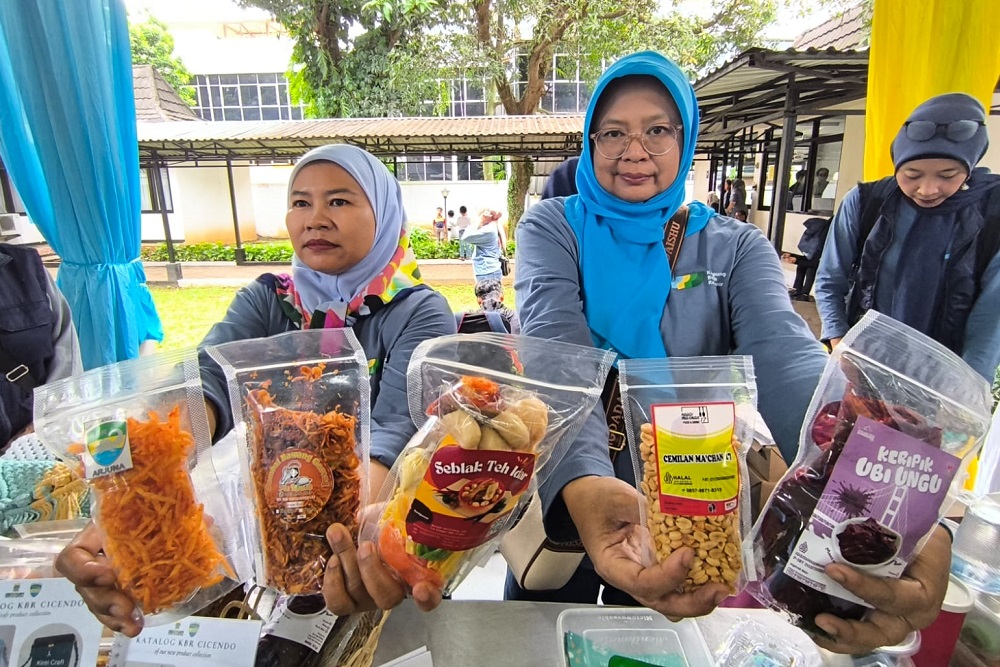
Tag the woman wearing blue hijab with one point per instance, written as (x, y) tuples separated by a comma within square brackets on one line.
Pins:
[(592, 270)]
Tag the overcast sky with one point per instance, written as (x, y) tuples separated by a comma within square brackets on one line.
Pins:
[(789, 25)]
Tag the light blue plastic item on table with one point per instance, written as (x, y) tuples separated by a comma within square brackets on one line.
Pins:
[(595, 637), (749, 644), (975, 557)]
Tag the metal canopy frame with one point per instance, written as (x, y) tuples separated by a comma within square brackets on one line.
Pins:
[(754, 87), (514, 137), (760, 89)]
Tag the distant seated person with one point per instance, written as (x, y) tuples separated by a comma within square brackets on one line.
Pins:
[(740, 215), (562, 180), (822, 180), (492, 316), (798, 188), (38, 343)]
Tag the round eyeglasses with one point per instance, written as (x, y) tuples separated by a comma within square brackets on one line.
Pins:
[(655, 140), (956, 130)]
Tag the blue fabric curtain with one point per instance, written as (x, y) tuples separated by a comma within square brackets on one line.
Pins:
[(68, 140)]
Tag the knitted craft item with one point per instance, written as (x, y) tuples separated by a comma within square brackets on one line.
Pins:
[(32, 491)]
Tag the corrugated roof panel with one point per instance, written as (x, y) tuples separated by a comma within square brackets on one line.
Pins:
[(497, 126)]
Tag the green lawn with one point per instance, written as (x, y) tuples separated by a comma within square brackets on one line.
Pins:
[(188, 313)]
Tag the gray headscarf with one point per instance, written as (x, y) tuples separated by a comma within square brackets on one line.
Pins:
[(317, 289)]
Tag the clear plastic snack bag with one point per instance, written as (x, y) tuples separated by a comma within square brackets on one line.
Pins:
[(495, 412), (301, 407), (137, 431), (690, 422), (753, 644), (883, 452), (29, 558)]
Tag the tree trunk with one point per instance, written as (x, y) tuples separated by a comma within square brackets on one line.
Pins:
[(517, 190)]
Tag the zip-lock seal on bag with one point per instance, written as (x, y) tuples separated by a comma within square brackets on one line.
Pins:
[(137, 431), (496, 413), (301, 405), (883, 452), (690, 422)]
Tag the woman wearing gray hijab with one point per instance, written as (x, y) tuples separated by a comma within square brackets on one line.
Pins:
[(353, 267)]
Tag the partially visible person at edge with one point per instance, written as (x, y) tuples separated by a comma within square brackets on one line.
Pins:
[(919, 263), (462, 224), (592, 271), (36, 332), (489, 294), (737, 198), (488, 239), (713, 201), (352, 267), (440, 226), (562, 180)]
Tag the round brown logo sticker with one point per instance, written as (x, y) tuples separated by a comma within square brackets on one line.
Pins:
[(298, 485)]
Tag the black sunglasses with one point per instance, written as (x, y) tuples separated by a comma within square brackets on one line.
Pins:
[(956, 130)]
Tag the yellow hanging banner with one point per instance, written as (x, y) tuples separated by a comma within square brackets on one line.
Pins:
[(920, 49)]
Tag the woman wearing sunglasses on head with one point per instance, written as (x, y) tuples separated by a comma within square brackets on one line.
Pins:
[(921, 246)]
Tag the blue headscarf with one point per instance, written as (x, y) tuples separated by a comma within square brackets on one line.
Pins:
[(324, 291), (625, 273)]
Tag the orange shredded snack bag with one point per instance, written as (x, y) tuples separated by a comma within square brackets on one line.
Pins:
[(154, 532)]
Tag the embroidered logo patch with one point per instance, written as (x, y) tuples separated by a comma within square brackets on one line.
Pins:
[(688, 281)]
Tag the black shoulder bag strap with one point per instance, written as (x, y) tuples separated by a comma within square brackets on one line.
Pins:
[(15, 372), (872, 196), (611, 398)]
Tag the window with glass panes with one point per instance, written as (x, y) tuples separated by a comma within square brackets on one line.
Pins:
[(244, 97), (565, 89), (440, 168)]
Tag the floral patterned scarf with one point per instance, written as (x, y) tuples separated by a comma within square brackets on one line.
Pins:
[(399, 276)]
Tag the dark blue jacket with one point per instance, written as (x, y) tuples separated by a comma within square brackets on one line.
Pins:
[(26, 320), (562, 180)]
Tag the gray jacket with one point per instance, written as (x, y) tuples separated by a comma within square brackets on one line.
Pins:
[(388, 337), (740, 307)]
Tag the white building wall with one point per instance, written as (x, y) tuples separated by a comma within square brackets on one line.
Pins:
[(269, 199), (992, 157), (422, 198), (205, 49), (28, 232), (701, 169), (202, 211), (852, 156), (207, 46)]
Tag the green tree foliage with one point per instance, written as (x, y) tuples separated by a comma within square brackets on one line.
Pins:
[(358, 58), (388, 57), (152, 44)]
